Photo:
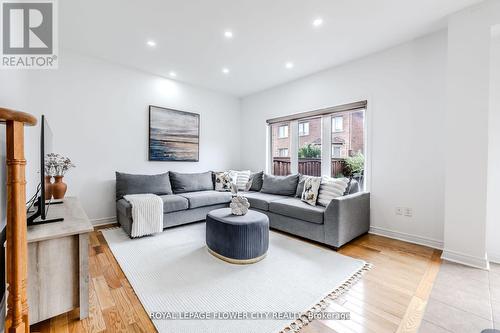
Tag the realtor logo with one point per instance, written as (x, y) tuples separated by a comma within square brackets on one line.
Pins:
[(29, 34)]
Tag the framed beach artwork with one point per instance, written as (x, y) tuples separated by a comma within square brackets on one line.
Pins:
[(173, 135)]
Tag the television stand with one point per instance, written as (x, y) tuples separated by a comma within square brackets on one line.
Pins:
[(50, 202), (35, 218), (41, 221), (58, 255)]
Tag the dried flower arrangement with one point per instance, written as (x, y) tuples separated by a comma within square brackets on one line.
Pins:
[(57, 165)]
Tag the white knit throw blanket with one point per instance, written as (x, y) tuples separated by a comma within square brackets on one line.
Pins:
[(147, 214)]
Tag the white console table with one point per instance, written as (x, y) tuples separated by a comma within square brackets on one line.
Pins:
[(58, 275)]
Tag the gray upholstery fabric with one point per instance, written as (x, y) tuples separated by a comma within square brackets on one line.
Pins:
[(174, 203), (298, 209), (346, 218), (206, 198), (300, 186), (353, 187), (261, 200), (171, 203), (140, 184), (312, 231), (191, 182), (257, 179), (281, 185), (237, 237), (171, 219)]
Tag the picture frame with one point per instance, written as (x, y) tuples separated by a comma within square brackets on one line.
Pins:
[(174, 135)]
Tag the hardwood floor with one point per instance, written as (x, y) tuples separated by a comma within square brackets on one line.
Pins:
[(390, 298)]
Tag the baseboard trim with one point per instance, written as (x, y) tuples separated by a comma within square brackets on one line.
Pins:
[(465, 259), (494, 257), (402, 236), (103, 221)]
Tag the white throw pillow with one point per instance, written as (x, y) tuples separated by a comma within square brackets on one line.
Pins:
[(223, 181), (331, 188), (311, 189), (240, 178)]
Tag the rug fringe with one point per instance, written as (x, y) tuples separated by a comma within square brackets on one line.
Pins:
[(304, 320)]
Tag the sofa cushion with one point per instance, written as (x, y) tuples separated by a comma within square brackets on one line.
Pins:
[(171, 203), (281, 185), (191, 182), (293, 207), (206, 198), (140, 184), (174, 203), (261, 200)]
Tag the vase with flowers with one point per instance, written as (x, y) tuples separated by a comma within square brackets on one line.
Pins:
[(56, 167)]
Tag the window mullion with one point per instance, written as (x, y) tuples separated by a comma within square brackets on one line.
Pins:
[(326, 146), (294, 146)]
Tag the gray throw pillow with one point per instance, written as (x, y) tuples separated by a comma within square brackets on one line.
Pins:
[(300, 186), (191, 182), (140, 184), (281, 185), (256, 179)]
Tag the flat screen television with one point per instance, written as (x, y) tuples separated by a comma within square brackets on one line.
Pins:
[(41, 203)]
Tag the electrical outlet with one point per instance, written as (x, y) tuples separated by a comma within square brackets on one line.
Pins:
[(399, 211), (408, 212)]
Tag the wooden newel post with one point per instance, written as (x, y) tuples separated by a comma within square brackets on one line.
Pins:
[(17, 247)]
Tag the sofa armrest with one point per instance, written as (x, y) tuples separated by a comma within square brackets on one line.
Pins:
[(346, 218)]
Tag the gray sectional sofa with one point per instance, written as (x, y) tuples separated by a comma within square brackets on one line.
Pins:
[(189, 197)]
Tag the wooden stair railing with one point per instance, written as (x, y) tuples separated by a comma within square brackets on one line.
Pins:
[(17, 247)]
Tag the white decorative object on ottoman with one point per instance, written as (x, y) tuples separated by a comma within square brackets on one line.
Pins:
[(239, 205)]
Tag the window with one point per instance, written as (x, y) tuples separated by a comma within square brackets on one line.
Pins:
[(348, 142), (309, 152), (283, 132), (283, 152), (281, 165), (338, 124), (304, 129), (298, 142), (336, 151)]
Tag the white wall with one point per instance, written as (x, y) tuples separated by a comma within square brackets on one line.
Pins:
[(493, 210), (98, 113), (467, 112), (405, 88)]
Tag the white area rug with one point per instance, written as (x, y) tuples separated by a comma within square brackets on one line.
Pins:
[(172, 272)]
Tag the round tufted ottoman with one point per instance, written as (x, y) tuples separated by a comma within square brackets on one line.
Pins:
[(237, 239)]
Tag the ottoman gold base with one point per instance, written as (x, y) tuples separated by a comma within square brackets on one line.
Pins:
[(236, 261)]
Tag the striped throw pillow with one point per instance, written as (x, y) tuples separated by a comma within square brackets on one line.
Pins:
[(330, 189), (240, 178)]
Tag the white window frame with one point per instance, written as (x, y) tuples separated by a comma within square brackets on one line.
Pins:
[(285, 133), (336, 129), (327, 142), (302, 128)]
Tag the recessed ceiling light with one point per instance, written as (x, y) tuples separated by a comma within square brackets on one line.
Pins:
[(225, 70), (228, 34), (151, 43), (289, 65), (317, 22), (172, 74)]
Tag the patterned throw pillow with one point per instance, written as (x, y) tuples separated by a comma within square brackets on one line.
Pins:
[(223, 181), (311, 189), (331, 188)]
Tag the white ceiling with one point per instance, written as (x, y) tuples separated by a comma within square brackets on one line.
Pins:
[(267, 33)]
